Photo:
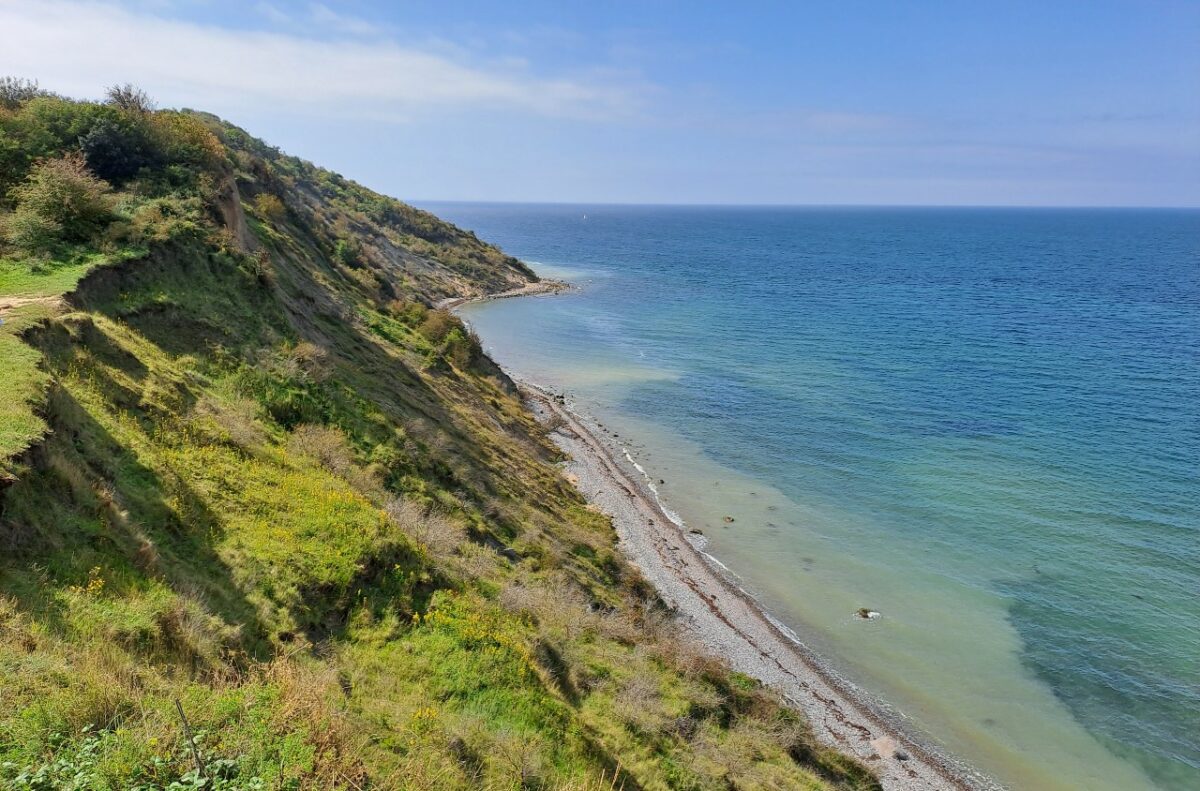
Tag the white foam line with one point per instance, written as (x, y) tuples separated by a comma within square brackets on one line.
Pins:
[(674, 517)]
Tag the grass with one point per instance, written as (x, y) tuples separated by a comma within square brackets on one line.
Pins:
[(54, 277), (24, 382)]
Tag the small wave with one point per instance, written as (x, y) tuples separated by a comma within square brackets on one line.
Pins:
[(724, 568), (674, 517), (783, 628)]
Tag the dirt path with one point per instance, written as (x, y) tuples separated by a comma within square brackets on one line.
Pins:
[(8, 304)]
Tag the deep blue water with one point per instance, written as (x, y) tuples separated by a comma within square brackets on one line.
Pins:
[(1012, 395)]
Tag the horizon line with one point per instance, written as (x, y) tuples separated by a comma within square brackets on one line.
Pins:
[(644, 204)]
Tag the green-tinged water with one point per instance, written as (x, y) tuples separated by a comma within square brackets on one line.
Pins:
[(981, 423)]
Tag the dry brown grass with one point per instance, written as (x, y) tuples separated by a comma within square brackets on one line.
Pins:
[(233, 420), (329, 448), (325, 445), (441, 535), (307, 691)]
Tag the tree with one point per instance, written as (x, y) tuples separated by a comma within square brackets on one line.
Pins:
[(60, 199), (130, 98), (15, 91)]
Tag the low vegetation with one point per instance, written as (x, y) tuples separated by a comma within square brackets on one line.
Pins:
[(253, 476)]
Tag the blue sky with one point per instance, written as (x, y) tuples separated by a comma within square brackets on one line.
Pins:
[(838, 102)]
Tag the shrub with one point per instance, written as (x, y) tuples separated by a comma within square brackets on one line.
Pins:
[(116, 149), (184, 139), (44, 127), (29, 231), (347, 253), (409, 311), (269, 207), (163, 219), (325, 445), (309, 362), (438, 325), (130, 98), (462, 348), (59, 199), (13, 160)]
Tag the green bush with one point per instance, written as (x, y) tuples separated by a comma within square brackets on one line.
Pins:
[(438, 325), (184, 139), (60, 199), (164, 219), (347, 253), (117, 148), (30, 232), (269, 207), (462, 348), (48, 126)]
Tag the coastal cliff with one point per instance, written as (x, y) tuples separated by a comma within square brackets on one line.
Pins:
[(269, 518)]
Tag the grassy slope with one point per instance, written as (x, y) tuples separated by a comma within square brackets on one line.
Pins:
[(30, 292), (280, 491)]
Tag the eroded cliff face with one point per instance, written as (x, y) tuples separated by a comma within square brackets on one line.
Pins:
[(227, 199)]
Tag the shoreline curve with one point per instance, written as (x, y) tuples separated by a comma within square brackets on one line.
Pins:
[(727, 620), (730, 623)]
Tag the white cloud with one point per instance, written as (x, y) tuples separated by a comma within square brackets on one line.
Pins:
[(77, 48)]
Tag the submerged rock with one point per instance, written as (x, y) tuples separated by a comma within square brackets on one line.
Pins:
[(729, 520), (866, 614)]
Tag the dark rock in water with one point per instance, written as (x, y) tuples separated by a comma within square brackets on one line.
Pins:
[(696, 531), (866, 613), (661, 481), (729, 520)]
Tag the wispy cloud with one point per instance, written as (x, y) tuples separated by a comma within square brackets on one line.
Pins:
[(342, 23), (298, 18), (79, 47)]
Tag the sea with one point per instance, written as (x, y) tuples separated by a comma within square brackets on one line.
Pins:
[(981, 423)]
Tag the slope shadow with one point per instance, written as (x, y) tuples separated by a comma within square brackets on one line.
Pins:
[(89, 501)]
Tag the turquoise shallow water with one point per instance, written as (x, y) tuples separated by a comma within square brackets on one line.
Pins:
[(983, 423)]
